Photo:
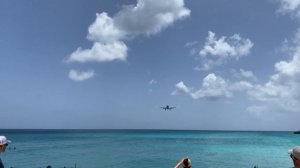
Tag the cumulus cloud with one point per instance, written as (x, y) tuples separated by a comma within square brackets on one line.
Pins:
[(181, 86), (248, 74), (280, 93), (100, 52), (147, 17), (150, 16), (241, 86), (81, 75), (104, 29), (213, 88), (244, 74), (283, 88), (217, 51), (290, 6)]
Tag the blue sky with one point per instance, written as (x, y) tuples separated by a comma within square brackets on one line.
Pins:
[(225, 65)]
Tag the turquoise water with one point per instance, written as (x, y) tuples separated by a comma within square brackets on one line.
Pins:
[(145, 148)]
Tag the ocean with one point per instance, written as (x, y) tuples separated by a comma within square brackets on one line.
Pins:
[(147, 148)]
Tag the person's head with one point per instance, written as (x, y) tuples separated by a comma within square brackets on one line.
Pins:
[(3, 143), (295, 155), (186, 163)]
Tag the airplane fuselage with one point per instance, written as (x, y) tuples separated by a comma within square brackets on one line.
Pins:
[(168, 107)]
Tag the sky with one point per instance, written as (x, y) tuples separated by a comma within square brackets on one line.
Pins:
[(224, 64)]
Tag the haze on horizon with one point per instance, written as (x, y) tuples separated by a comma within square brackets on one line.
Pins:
[(225, 65)]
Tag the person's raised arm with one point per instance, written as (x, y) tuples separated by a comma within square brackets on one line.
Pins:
[(179, 164)]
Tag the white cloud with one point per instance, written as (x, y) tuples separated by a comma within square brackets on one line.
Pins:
[(150, 16), (289, 68), (213, 88), (241, 86), (100, 52), (283, 88), (81, 75), (104, 29), (181, 86), (248, 74), (290, 6), (244, 74), (281, 92), (108, 33), (217, 51)]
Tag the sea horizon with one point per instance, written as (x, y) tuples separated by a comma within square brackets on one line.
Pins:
[(160, 148), (139, 129)]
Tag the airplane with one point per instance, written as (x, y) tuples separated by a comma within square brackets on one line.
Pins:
[(167, 107)]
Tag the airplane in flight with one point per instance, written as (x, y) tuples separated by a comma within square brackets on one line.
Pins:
[(167, 107)]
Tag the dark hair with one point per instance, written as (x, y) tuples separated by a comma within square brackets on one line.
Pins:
[(186, 162), (4, 145)]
